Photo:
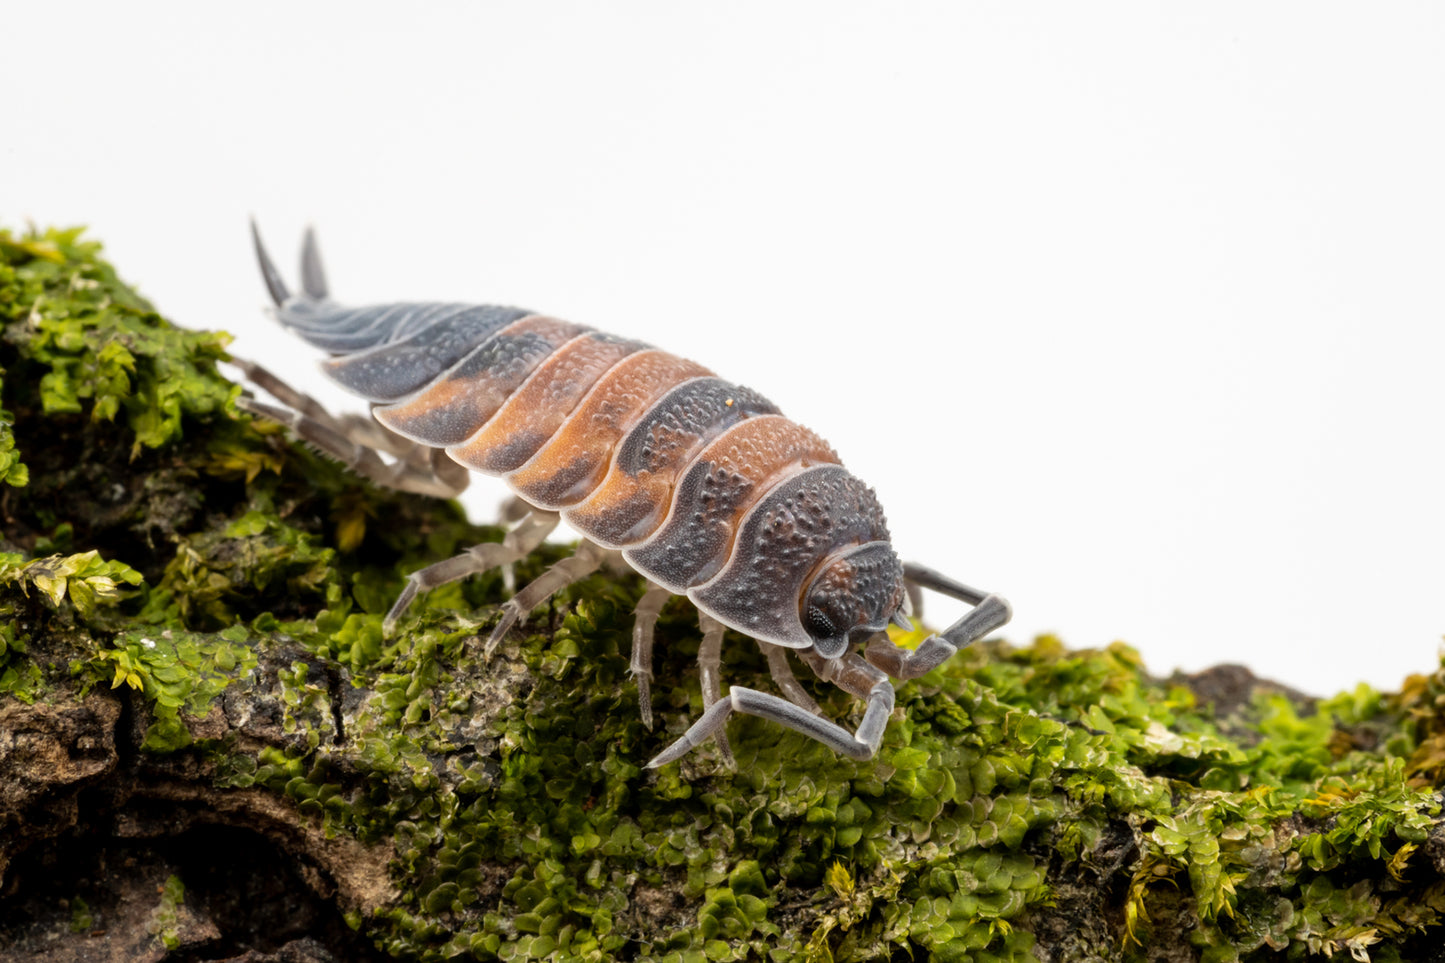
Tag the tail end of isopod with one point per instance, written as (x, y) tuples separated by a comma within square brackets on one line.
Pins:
[(313, 276), (274, 284)]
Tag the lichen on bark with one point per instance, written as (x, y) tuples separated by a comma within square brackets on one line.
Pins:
[(208, 747)]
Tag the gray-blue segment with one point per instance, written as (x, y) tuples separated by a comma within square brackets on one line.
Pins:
[(486, 378), (397, 368), (334, 327), (342, 330)]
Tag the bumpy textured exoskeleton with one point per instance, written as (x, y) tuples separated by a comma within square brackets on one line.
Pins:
[(702, 486)]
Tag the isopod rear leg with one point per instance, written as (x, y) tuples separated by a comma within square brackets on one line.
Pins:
[(368, 432), (297, 401), (333, 440), (362, 430), (649, 607), (518, 543), (582, 563), (514, 509), (852, 674), (709, 663)]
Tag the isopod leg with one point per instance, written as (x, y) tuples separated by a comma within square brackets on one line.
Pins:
[(925, 577), (648, 609), (297, 401), (370, 433), (362, 459), (988, 613), (518, 543), (851, 674), (582, 563), (514, 509), (777, 656), (362, 430), (860, 745), (915, 598), (709, 664)]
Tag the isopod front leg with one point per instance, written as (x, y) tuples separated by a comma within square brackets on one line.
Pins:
[(709, 664), (782, 673), (852, 674), (924, 577), (518, 543), (988, 613), (645, 621), (582, 563), (915, 598)]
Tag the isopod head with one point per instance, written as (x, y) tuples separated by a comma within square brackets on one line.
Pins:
[(852, 597)]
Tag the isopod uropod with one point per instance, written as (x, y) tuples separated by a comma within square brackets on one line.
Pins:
[(702, 485)]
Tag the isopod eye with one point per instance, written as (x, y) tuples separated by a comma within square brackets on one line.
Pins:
[(819, 625)]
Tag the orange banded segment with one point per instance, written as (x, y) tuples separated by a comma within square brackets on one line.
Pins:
[(572, 462), (538, 408), (632, 501), (462, 400), (726, 479)]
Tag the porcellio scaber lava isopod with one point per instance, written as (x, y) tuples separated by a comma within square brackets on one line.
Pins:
[(703, 486)]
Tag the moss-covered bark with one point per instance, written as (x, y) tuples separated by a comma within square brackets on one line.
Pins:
[(208, 748)]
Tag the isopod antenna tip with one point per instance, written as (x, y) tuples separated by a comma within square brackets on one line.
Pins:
[(274, 284)]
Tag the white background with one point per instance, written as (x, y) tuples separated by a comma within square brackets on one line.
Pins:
[(1132, 313)]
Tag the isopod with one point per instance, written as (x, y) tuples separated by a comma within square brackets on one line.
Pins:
[(703, 486)]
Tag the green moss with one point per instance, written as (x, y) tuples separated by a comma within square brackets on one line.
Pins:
[(12, 472), (85, 580), (165, 919), (81, 918), (105, 347), (218, 575), (1015, 785), (73, 587), (177, 672)]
